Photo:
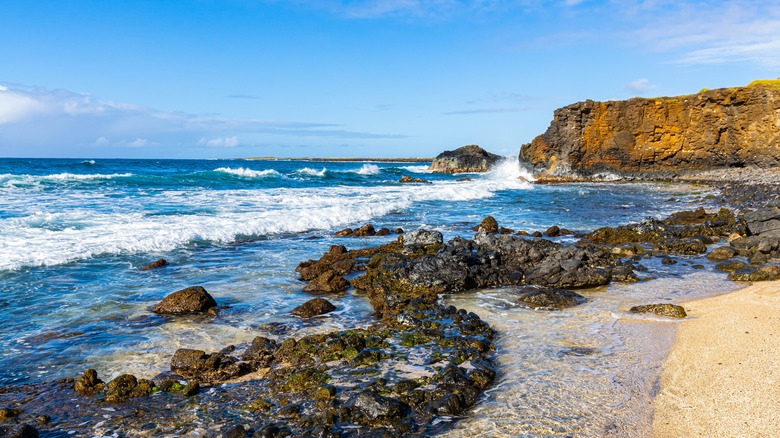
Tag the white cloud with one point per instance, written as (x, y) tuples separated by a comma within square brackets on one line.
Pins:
[(227, 142), (15, 107), (139, 143), (640, 86), (712, 32), (40, 117)]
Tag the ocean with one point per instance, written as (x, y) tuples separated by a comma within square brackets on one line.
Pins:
[(75, 235)]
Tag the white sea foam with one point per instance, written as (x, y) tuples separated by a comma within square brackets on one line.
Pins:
[(368, 169), (508, 169), (40, 238), (311, 172), (416, 169), (8, 179), (248, 173)]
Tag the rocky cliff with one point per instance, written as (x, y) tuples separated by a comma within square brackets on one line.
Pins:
[(471, 158), (661, 137)]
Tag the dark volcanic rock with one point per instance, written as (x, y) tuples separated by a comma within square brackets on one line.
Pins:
[(731, 266), (157, 264), (393, 279), (126, 386), (488, 225), (345, 232), (722, 253), (365, 230), (89, 383), (328, 281), (337, 259), (670, 310), (7, 413), (18, 431), (260, 352), (686, 232), (765, 273), (471, 158), (193, 299), (548, 298), (422, 238), (196, 364), (236, 431), (369, 407), (314, 307), (764, 220), (553, 231), (408, 179)]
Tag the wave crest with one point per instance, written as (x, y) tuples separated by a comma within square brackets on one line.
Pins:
[(368, 169), (248, 173), (311, 172)]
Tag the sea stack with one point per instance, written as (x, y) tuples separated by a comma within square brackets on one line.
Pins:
[(663, 137), (471, 158)]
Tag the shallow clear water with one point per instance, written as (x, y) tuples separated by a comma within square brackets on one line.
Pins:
[(591, 370), (74, 235)]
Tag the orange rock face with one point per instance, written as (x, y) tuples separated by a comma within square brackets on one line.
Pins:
[(662, 137)]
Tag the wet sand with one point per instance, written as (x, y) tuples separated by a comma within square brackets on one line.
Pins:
[(722, 377)]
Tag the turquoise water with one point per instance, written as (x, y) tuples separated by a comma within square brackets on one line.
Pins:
[(74, 235)]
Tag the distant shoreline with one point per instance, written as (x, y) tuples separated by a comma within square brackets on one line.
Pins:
[(346, 160)]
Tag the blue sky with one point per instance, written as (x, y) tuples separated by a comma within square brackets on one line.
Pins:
[(359, 78)]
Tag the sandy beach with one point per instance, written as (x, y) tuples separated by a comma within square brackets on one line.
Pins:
[(722, 377)]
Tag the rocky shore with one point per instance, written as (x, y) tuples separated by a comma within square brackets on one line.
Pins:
[(420, 361)]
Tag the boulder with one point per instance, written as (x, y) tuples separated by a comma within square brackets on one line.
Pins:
[(730, 266), (126, 386), (155, 265), (408, 179), (422, 238), (488, 225), (345, 232), (337, 259), (8, 413), (553, 231), (328, 281), (747, 273), (369, 406), (193, 299), (260, 352), (88, 383), (198, 365), (471, 158), (365, 230), (763, 220), (722, 254), (669, 310), (18, 431), (548, 298), (314, 307), (236, 431)]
